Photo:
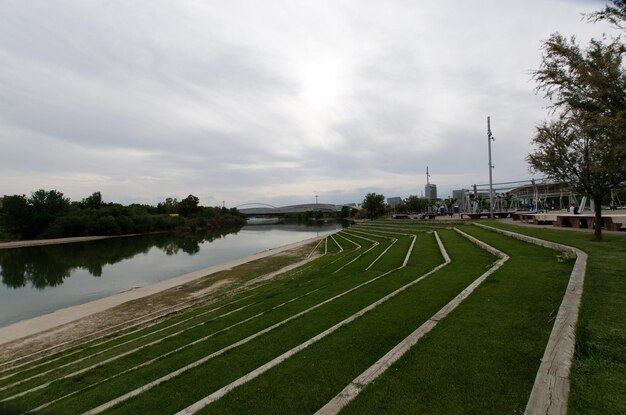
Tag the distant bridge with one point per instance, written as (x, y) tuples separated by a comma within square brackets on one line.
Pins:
[(269, 210), (255, 204)]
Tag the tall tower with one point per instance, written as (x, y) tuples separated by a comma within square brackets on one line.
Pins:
[(430, 190)]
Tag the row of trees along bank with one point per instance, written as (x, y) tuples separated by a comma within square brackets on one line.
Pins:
[(48, 214)]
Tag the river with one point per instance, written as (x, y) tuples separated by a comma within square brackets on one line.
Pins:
[(42, 279)]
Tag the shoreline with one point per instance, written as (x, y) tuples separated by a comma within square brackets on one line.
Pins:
[(45, 322), (58, 241)]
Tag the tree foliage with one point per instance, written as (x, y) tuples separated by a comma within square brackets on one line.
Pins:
[(94, 201), (374, 205), (48, 214), (189, 206), (170, 206), (584, 143), (46, 207), (16, 215), (449, 204), (614, 14), (416, 204)]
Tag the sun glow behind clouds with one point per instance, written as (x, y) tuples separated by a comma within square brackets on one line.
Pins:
[(324, 88), (323, 81)]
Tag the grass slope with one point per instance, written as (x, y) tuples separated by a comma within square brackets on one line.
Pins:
[(598, 377), (482, 358)]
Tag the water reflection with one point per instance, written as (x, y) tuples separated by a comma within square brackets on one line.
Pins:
[(40, 280), (48, 266)]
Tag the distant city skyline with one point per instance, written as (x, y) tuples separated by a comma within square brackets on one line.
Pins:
[(280, 102)]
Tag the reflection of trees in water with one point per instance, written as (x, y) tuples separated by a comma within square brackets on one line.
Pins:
[(48, 266), (187, 242)]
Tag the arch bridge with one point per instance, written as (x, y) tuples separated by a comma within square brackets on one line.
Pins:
[(269, 210)]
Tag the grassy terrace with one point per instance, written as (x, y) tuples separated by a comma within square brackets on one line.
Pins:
[(292, 343), (598, 378)]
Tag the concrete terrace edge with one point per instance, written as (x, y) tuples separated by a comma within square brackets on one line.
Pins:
[(550, 392), (66, 315), (354, 388)]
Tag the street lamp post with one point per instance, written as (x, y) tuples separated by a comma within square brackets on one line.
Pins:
[(490, 138)]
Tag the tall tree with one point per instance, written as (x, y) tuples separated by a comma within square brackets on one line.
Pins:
[(16, 216), (189, 205), (374, 205), (584, 144), (416, 204), (94, 201), (170, 206), (47, 206)]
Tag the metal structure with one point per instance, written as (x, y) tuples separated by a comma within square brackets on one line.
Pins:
[(527, 195), (490, 138), (255, 203)]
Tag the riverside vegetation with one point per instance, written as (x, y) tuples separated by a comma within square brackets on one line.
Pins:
[(48, 214), (290, 344)]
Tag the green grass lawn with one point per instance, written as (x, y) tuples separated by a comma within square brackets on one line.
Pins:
[(320, 371), (598, 377), (270, 294), (481, 358), (484, 356)]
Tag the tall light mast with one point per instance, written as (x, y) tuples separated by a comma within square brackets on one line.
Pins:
[(490, 138)]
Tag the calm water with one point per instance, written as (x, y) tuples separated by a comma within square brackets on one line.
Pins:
[(39, 280)]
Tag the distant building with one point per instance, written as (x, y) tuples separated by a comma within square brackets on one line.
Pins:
[(461, 199), (394, 201), (430, 191)]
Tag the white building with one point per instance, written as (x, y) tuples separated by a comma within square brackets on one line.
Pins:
[(430, 191)]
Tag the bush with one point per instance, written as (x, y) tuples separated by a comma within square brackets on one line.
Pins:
[(106, 225)]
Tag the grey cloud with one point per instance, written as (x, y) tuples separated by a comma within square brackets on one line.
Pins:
[(151, 99)]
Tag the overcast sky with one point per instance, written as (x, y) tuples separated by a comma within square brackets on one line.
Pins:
[(270, 101)]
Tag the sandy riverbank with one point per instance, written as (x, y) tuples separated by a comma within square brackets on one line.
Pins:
[(57, 241), (67, 315)]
